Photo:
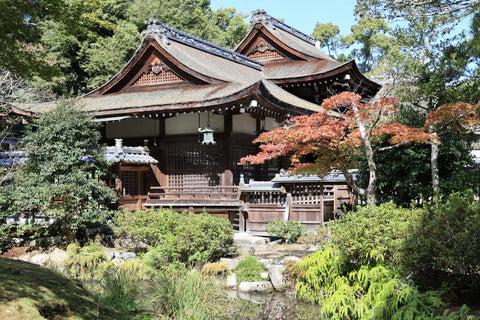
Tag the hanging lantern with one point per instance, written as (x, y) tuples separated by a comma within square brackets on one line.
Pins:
[(207, 132)]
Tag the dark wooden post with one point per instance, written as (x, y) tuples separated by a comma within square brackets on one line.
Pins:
[(227, 150), (163, 159)]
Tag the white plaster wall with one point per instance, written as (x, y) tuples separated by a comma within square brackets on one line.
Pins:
[(133, 128), (244, 123), (188, 123), (271, 123)]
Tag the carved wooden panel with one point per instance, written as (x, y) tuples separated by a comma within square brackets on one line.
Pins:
[(267, 55), (263, 52), (157, 73)]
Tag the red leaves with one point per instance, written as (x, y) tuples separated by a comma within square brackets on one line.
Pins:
[(334, 134), (458, 117)]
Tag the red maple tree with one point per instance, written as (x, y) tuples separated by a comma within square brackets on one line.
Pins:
[(346, 127)]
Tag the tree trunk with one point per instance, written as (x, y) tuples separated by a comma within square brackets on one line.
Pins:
[(434, 167)]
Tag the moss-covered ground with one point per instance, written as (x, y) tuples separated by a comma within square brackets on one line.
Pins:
[(28, 291)]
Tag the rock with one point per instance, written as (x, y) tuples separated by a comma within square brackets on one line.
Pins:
[(266, 262), (275, 273), (110, 255), (57, 256), (264, 275), (41, 259), (16, 242), (284, 260), (53, 241), (232, 280), (127, 256), (259, 286), (230, 263), (255, 297)]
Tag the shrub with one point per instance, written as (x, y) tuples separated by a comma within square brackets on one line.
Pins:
[(148, 226), (289, 230), (320, 237), (362, 293), (373, 234), (185, 238), (85, 263), (178, 293), (214, 269), (249, 269), (444, 244)]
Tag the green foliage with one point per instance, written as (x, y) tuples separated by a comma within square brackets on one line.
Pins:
[(289, 230), (85, 263), (81, 44), (249, 269), (444, 242), (362, 293), (404, 174), (19, 39), (328, 34), (149, 226), (186, 238), (320, 237), (121, 286), (61, 178), (374, 234), (371, 35), (179, 293)]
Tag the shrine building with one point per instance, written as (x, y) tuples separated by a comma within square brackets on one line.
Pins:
[(182, 113)]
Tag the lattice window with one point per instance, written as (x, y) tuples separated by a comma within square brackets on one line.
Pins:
[(267, 55), (306, 193), (194, 156), (129, 182), (151, 78), (194, 180)]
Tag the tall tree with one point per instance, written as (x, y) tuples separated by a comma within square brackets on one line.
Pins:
[(20, 52), (436, 58), (371, 35), (328, 34), (344, 128), (61, 178), (415, 8), (98, 37)]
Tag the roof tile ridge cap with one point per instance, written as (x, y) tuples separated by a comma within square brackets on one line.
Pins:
[(261, 16), (156, 29)]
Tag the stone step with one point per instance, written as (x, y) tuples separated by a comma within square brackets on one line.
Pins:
[(244, 238)]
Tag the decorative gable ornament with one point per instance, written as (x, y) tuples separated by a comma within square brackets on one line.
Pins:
[(157, 73)]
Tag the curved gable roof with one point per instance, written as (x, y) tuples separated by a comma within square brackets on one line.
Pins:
[(168, 56), (292, 43)]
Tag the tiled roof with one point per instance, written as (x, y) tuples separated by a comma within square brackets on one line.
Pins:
[(288, 35), (136, 155), (155, 27), (285, 177), (8, 158), (299, 69)]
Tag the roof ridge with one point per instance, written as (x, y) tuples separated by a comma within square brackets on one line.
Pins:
[(157, 28), (261, 15)]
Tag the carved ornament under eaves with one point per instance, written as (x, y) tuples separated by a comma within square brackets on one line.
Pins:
[(157, 73)]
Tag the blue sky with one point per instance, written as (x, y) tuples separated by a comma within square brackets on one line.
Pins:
[(300, 14)]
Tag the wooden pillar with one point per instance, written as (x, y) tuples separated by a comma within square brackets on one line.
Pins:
[(163, 159), (322, 206), (227, 150)]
